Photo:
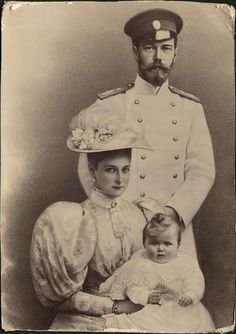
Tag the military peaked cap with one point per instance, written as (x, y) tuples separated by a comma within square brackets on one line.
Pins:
[(154, 24)]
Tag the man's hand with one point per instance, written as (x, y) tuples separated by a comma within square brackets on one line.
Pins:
[(185, 301), (149, 206), (170, 212), (155, 297)]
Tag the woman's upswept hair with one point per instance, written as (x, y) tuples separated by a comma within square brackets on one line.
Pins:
[(96, 157)]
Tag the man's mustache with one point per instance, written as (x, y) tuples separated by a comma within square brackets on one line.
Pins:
[(159, 66)]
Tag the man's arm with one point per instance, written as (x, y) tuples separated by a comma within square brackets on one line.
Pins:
[(199, 171)]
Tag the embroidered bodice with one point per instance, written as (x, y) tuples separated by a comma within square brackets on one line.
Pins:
[(119, 225)]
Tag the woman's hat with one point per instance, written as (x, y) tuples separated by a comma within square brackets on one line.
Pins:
[(98, 129)]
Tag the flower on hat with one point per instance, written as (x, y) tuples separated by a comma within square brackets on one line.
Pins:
[(99, 129), (104, 135), (83, 138)]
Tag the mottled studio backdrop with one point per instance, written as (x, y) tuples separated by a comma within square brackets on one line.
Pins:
[(56, 57)]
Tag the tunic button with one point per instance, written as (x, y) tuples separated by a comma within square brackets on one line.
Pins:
[(140, 119), (119, 235), (176, 157), (175, 176), (176, 138), (174, 121), (172, 104), (113, 204), (143, 156), (136, 101), (142, 176), (142, 194)]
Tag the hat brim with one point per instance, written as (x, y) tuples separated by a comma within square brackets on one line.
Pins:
[(71, 146)]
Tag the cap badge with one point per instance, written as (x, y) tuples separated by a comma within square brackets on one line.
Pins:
[(156, 24), (162, 34), (103, 136)]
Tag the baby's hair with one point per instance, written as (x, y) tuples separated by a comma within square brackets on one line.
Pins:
[(96, 157), (158, 224)]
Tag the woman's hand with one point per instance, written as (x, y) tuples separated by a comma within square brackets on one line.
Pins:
[(126, 306)]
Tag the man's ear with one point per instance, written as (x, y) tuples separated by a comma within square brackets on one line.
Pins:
[(175, 55), (135, 52)]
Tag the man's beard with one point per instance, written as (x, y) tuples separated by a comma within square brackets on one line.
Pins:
[(155, 73)]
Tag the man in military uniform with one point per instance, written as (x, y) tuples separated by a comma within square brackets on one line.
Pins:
[(180, 171)]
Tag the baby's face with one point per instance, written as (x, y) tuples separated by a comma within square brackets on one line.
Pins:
[(163, 248)]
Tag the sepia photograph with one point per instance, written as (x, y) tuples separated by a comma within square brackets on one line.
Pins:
[(118, 166)]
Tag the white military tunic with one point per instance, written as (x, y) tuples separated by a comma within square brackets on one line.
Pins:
[(180, 171)]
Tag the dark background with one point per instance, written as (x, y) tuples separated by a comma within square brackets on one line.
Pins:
[(56, 57)]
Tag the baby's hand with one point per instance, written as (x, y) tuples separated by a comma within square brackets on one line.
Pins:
[(185, 301), (154, 297)]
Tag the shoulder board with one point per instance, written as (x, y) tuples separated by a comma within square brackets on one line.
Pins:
[(183, 94), (115, 91)]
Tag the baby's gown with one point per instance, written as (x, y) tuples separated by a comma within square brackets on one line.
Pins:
[(140, 275), (75, 247)]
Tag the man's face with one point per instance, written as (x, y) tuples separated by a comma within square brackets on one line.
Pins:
[(155, 60)]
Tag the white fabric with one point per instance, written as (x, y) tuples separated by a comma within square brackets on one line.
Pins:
[(195, 164), (138, 277), (75, 247)]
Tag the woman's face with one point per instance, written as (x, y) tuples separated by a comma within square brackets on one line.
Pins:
[(112, 174)]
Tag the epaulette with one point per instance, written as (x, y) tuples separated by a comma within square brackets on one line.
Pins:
[(115, 91), (184, 94)]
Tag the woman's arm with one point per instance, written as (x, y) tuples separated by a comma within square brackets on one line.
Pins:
[(89, 304), (125, 306), (86, 303)]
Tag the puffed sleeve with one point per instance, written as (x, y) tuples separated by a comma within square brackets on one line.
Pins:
[(63, 243)]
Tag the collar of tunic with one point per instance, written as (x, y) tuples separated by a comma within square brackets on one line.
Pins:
[(145, 88)]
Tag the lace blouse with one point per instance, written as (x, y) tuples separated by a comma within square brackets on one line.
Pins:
[(141, 275)]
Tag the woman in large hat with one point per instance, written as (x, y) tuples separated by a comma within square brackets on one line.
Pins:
[(76, 247)]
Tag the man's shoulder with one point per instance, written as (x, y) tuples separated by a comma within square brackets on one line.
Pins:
[(115, 91), (184, 94)]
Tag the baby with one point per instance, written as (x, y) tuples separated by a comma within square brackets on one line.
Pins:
[(167, 283)]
